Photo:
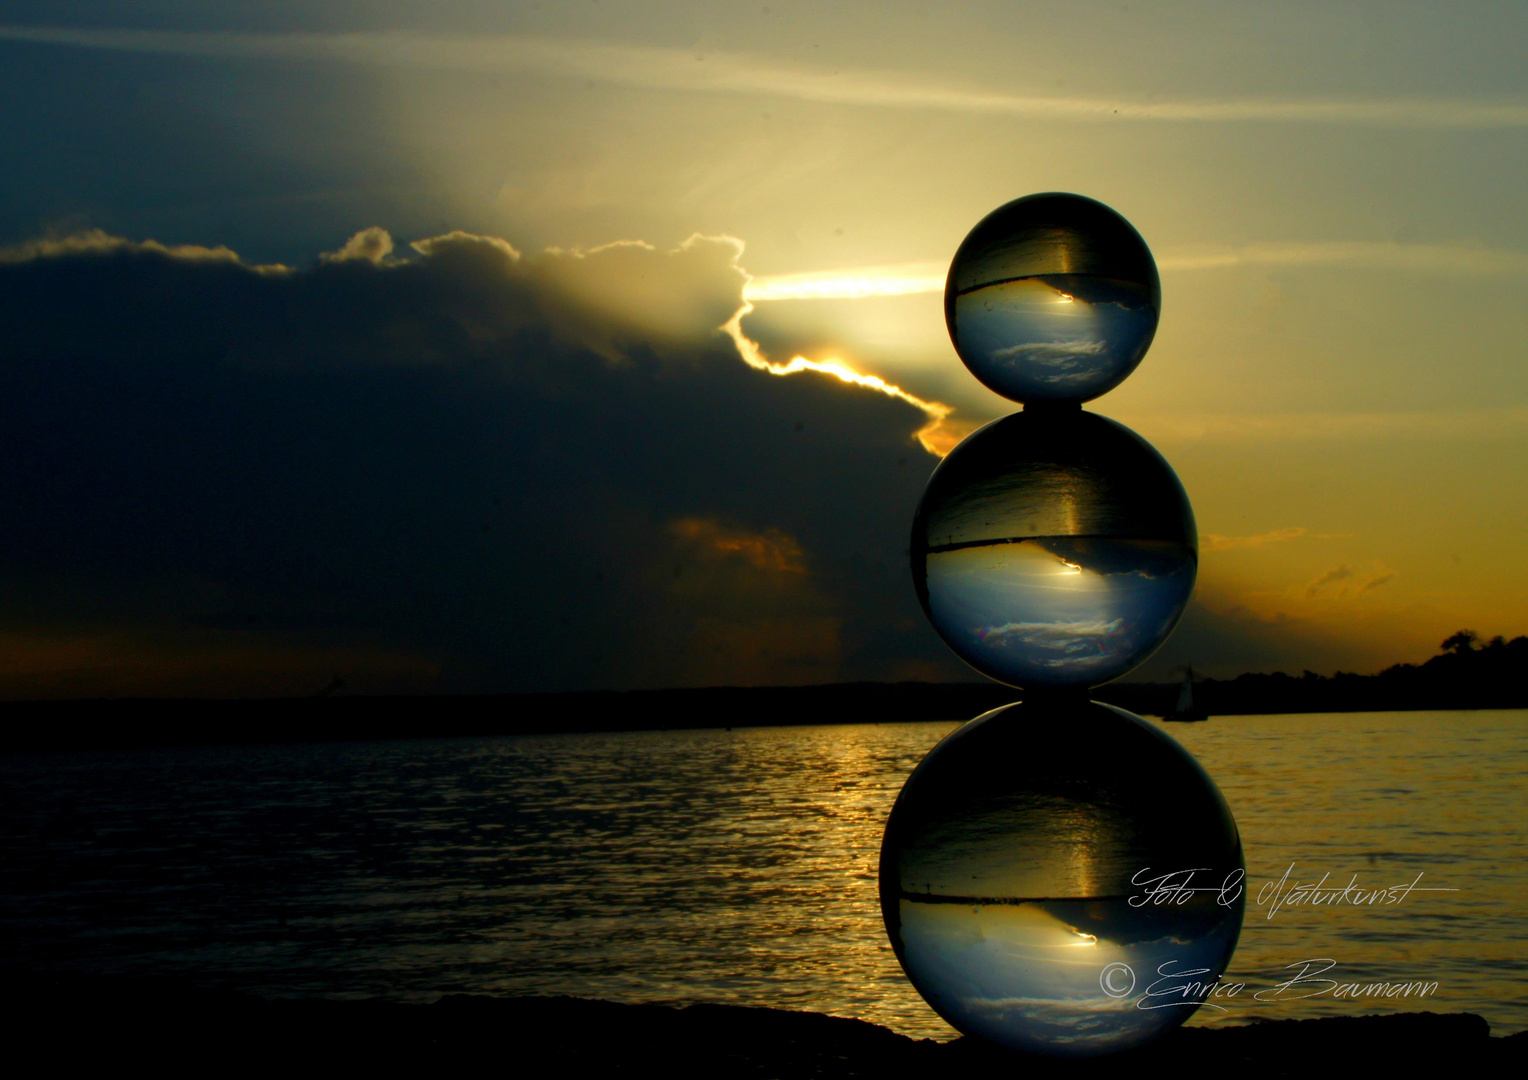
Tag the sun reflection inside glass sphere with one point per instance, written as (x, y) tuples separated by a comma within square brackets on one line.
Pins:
[(1052, 297), (1009, 877)]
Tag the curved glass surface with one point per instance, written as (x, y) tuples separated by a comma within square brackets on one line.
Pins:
[(1052, 297), (1053, 549), (1014, 879)]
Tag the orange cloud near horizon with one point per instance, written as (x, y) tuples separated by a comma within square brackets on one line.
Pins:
[(770, 550)]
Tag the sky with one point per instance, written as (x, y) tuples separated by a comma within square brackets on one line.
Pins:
[(479, 347)]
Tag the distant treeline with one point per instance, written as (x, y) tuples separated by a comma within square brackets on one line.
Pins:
[(1468, 675)]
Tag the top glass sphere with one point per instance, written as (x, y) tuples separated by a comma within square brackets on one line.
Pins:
[(1052, 297)]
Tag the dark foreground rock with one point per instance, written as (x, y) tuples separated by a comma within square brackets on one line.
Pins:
[(64, 1024)]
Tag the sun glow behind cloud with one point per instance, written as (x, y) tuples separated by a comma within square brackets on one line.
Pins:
[(905, 279), (938, 436)]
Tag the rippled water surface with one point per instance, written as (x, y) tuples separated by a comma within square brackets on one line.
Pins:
[(731, 866)]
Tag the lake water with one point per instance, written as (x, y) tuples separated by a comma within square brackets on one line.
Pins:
[(723, 866)]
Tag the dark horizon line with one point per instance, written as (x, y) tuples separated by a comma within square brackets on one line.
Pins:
[(1462, 655), (1445, 683)]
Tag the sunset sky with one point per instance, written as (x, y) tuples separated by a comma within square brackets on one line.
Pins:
[(489, 346)]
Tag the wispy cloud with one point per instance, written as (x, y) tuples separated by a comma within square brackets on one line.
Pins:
[(1216, 542), (1051, 352), (902, 279), (1330, 577), (1348, 582), (1446, 259), (1068, 636), (1375, 582), (1471, 425), (737, 73)]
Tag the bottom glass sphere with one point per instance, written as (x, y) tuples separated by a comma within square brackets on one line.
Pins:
[(1061, 877)]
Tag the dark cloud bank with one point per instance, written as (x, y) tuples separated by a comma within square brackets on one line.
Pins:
[(462, 470)]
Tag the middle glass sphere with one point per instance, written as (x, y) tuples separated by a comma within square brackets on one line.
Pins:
[(1054, 548)]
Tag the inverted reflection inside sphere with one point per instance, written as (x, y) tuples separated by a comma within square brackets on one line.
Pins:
[(1010, 864), (1054, 549), (1052, 298)]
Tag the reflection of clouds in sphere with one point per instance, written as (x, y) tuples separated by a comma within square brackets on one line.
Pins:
[(1006, 875), (1080, 619), (1054, 549), (1052, 298)]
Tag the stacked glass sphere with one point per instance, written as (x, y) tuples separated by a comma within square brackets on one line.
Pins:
[(1055, 550)]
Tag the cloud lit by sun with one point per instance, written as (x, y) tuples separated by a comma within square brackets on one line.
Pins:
[(771, 550), (939, 436)]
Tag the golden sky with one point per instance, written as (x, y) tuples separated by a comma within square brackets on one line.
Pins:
[(1332, 193)]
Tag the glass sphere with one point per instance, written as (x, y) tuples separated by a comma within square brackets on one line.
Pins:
[(1054, 548), (1016, 879), (1052, 297)]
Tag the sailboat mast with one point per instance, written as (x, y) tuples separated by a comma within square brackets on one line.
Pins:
[(1186, 692)]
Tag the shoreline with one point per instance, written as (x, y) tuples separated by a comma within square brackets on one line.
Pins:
[(166, 1022), (123, 723)]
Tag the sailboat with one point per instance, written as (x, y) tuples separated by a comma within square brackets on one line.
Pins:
[(1185, 709)]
